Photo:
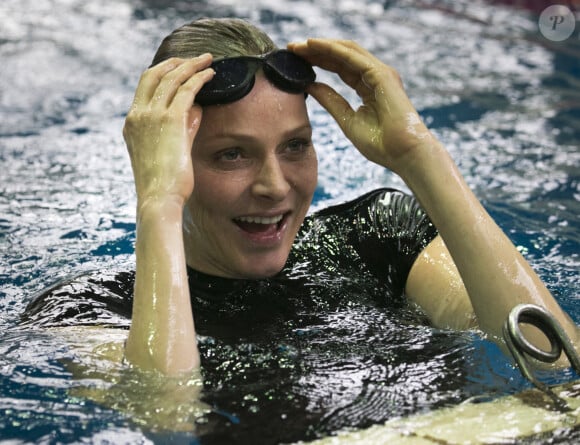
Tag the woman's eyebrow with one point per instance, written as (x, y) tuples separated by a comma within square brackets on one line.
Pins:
[(235, 134)]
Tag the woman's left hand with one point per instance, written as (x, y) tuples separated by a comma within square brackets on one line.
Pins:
[(387, 130), (386, 127)]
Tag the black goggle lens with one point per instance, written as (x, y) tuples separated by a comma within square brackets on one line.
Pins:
[(234, 77)]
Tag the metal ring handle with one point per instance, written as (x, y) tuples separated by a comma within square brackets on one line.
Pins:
[(538, 317), (550, 327), (518, 345)]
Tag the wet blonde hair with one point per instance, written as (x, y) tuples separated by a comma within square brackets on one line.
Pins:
[(222, 37)]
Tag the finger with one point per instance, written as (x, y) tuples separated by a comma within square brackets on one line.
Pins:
[(188, 115), (334, 55), (358, 68), (334, 103), (185, 96), (173, 81), (372, 80), (149, 81)]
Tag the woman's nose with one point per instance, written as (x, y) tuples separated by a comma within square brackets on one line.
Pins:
[(270, 181)]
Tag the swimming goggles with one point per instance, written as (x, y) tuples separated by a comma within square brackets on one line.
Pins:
[(235, 76)]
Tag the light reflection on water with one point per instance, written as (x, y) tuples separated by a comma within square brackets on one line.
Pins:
[(504, 102)]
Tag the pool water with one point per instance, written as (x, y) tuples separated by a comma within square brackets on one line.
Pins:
[(504, 99)]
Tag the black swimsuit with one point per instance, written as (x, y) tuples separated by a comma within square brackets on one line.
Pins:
[(329, 342), (361, 250)]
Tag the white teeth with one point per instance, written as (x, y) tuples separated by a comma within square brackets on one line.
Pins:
[(261, 220)]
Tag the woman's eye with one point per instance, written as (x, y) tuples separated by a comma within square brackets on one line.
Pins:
[(297, 146), (229, 155)]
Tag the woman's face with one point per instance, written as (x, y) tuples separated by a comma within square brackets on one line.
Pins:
[(255, 172)]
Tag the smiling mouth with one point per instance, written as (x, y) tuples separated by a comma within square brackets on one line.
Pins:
[(261, 224)]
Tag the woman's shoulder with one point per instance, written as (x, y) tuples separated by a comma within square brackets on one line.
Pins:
[(362, 201), (387, 210), (382, 230), (92, 299)]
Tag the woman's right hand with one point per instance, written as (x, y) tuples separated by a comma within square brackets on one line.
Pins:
[(159, 132), (161, 126)]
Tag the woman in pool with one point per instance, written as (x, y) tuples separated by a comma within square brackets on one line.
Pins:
[(225, 172)]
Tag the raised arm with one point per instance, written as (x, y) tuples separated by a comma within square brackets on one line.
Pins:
[(159, 133), (387, 130)]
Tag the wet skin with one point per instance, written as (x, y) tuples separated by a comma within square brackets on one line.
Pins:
[(255, 173)]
